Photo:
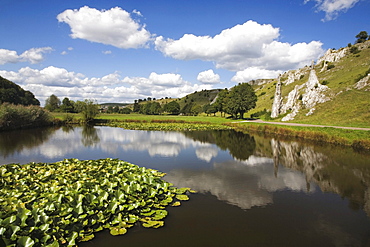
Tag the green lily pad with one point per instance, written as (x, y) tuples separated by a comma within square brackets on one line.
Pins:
[(182, 197), (117, 231)]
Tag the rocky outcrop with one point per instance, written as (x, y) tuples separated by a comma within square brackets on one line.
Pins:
[(314, 93), (305, 96), (277, 100), (331, 56), (293, 75), (363, 82)]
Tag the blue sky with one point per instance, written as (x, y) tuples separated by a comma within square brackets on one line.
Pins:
[(119, 51)]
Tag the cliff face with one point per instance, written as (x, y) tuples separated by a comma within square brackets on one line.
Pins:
[(305, 96)]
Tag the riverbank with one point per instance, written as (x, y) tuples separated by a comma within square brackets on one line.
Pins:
[(359, 139)]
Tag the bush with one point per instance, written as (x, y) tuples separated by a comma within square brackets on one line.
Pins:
[(330, 66), (18, 116), (325, 82), (354, 49)]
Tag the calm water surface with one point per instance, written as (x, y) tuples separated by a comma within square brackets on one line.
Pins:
[(253, 191)]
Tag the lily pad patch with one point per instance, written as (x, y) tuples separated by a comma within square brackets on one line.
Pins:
[(63, 203)]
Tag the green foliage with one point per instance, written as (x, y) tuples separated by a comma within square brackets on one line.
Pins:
[(210, 109), (172, 107), (14, 94), (67, 105), (151, 108), (242, 98), (62, 203), (221, 100), (362, 37), (201, 98), (125, 110), (167, 125), (89, 110), (354, 50), (18, 116), (52, 103), (325, 82), (330, 66)]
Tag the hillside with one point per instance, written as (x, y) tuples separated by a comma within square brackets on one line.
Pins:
[(12, 93), (334, 91)]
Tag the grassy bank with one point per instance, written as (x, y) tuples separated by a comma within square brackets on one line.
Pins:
[(358, 139)]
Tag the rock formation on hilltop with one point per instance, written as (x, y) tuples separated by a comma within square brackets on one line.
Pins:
[(305, 96)]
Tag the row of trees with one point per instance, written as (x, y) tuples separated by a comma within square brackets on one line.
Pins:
[(88, 108), (155, 108), (236, 102)]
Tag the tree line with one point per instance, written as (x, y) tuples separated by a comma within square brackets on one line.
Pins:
[(88, 108), (235, 102)]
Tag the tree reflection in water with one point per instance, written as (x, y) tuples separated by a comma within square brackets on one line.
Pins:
[(90, 135)]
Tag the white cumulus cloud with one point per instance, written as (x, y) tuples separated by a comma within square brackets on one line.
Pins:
[(253, 73), (332, 8), (248, 45), (33, 55), (108, 88), (208, 77), (111, 27)]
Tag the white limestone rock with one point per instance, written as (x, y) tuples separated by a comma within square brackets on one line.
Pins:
[(276, 105), (363, 82)]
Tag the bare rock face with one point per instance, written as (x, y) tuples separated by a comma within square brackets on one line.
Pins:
[(302, 96), (363, 82), (277, 100), (331, 56), (294, 75), (314, 92)]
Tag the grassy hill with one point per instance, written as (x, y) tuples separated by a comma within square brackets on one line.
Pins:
[(347, 106)]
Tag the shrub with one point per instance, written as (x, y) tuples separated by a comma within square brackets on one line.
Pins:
[(325, 82), (330, 66), (18, 116), (354, 49)]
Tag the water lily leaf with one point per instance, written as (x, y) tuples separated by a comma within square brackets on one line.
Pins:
[(9, 220), (44, 227), (25, 241), (160, 214), (14, 229), (153, 224), (87, 237), (117, 231), (182, 197), (176, 204), (53, 244), (112, 206), (72, 239)]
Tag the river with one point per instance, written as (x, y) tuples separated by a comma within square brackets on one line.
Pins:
[(252, 190)]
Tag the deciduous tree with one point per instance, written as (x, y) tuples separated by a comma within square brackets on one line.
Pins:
[(242, 98), (52, 103)]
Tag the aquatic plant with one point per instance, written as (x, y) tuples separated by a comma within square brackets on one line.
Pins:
[(62, 203), (167, 125)]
